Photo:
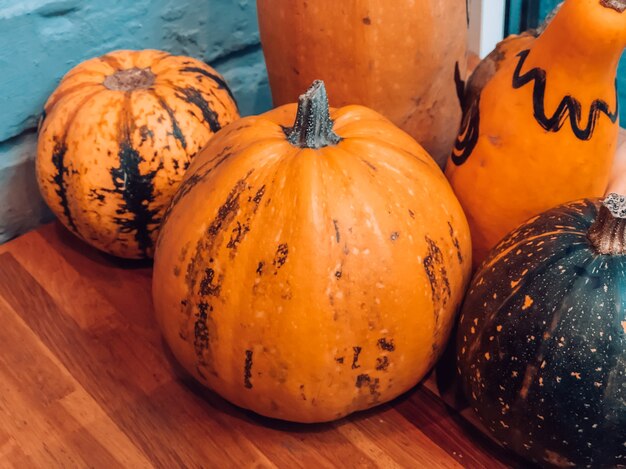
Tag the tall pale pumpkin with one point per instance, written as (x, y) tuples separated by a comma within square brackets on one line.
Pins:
[(397, 57), (308, 271)]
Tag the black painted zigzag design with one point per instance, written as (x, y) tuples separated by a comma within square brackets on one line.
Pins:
[(569, 106), (468, 133)]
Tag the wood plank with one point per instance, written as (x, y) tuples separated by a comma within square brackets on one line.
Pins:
[(35, 392), (113, 395), (122, 377), (85, 380)]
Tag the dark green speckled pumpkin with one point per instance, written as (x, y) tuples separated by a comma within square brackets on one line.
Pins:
[(541, 339)]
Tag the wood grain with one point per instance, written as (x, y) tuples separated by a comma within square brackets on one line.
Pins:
[(85, 380)]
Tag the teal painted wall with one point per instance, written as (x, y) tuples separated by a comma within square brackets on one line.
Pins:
[(524, 14), (40, 40)]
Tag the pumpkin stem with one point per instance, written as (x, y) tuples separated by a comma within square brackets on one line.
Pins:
[(313, 127), (546, 22), (130, 79), (608, 233), (617, 5)]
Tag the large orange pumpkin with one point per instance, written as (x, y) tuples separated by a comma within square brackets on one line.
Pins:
[(541, 121), (118, 134), (397, 57), (308, 271)]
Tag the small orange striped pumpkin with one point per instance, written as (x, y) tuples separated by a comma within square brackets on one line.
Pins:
[(116, 138)]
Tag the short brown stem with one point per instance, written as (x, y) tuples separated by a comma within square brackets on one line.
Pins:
[(313, 127), (130, 79), (546, 22), (617, 5), (608, 233)]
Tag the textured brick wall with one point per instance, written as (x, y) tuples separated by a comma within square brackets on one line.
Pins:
[(40, 40)]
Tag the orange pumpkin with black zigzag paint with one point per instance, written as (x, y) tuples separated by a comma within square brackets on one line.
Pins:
[(540, 121)]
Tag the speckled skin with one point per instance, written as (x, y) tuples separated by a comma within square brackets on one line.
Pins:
[(309, 281), (541, 343), (116, 138)]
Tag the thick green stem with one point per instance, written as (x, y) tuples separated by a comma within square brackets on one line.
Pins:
[(313, 127), (608, 232)]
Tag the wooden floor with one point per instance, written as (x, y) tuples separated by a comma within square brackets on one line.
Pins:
[(85, 381)]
